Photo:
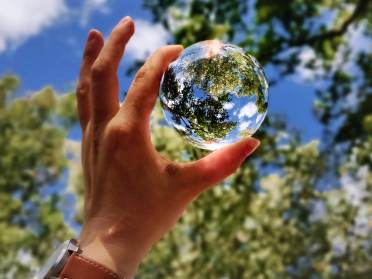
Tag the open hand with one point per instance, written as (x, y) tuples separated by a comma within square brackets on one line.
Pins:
[(133, 195)]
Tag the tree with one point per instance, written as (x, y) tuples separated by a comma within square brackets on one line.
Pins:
[(294, 210), (269, 224), (277, 33), (195, 91), (271, 218), (32, 159), (205, 118)]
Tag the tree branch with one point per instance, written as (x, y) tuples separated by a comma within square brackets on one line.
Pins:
[(360, 8)]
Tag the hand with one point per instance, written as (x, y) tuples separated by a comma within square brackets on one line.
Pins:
[(133, 196)]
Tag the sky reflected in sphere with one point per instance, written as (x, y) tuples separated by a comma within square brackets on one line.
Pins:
[(214, 94)]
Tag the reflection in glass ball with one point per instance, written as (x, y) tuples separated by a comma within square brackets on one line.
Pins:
[(214, 94)]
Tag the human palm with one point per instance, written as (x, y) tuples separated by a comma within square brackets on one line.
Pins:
[(133, 195)]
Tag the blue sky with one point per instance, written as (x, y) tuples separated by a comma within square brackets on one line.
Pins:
[(41, 42)]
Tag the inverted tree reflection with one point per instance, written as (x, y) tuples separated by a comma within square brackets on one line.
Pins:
[(205, 117)]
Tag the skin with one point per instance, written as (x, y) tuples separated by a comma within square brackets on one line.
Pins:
[(133, 195)]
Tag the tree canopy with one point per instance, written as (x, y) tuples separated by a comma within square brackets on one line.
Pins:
[(32, 159), (197, 88), (293, 210)]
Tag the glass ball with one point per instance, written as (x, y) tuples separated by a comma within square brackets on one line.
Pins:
[(214, 94)]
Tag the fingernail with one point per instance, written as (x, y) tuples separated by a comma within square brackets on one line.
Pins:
[(252, 145), (91, 35), (125, 19)]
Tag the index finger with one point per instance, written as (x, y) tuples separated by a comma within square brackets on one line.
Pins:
[(113, 50), (142, 95)]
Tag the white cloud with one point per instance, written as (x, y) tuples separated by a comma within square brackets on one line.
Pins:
[(248, 110), (244, 125), (307, 55), (91, 6), (358, 39), (228, 106), (22, 19), (147, 38), (358, 42)]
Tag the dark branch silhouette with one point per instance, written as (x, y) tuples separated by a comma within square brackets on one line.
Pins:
[(360, 9)]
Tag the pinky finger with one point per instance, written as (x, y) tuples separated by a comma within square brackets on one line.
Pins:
[(93, 47)]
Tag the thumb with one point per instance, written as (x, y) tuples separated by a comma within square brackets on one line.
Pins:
[(213, 168)]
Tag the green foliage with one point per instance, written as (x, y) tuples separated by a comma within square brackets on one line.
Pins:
[(270, 220), (293, 210), (31, 160), (217, 77), (276, 32), (286, 229), (198, 20), (198, 116)]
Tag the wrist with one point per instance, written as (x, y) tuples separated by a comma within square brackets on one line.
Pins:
[(122, 264), (121, 259)]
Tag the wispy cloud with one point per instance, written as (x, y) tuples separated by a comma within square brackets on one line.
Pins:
[(248, 110), (22, 19), (91, 6), (307, 55), (228, 106), (244, 125), (147, 38)]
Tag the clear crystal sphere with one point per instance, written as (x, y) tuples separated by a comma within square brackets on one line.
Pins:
[(214, 94)]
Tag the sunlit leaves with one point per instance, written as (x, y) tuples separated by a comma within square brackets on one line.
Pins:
[(31, 161)]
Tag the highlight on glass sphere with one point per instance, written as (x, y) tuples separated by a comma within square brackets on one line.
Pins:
[(214, 94)]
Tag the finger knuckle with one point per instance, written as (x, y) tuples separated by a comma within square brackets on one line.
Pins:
[(82, 89), (142, 72), (99, 69), (116, 133)]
